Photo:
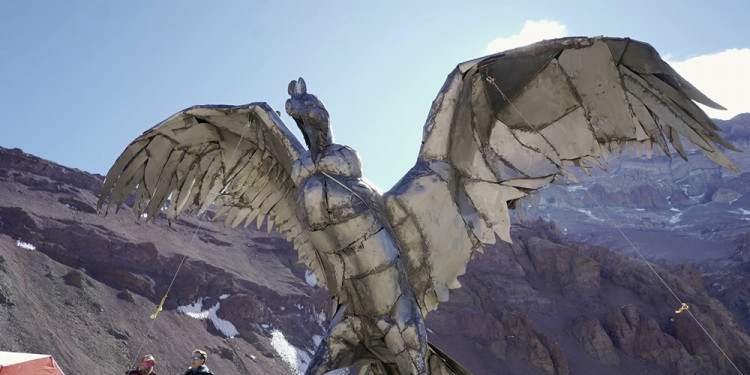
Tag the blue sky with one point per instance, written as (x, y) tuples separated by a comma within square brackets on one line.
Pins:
[(79, 80)]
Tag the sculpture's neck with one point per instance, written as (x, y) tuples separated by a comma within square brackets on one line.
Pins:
[(334, 159), (320, 137)]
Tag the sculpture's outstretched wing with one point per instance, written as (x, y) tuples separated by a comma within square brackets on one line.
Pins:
[(238, 157), (507, 124)]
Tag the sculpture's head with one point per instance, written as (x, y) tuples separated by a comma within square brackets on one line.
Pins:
[(311, 117)]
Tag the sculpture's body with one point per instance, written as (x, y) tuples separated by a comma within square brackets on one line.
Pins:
[(390, 259), (341, 214), (344, 218)]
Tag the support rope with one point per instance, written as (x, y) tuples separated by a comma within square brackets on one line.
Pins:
[(184, 256), (683, 306)]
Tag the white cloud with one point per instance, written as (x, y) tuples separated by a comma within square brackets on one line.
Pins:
[(723, 76), (532, 32)]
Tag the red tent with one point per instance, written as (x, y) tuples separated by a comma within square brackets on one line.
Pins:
[(27, 364)]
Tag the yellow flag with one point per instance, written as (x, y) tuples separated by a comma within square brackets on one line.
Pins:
[(682, 308), (158, 308)]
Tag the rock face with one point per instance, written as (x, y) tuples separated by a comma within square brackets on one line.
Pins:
[(671, 211), (595, 341), (102, 277), (661, 183), (545, 304), (640, 336)]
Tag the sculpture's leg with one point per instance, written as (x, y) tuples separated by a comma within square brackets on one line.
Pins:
[(341, 347), (406, 337), (441, 364), (438, 362), (379, 368)]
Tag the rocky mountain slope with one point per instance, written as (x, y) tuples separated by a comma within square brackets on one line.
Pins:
[(659, 194), (670, 211), (81, 286)]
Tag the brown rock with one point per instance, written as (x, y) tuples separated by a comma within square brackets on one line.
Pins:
[(540, 350), (688, 274), (628, 195), (592, 336), (640, 336), (576, 275), (75, 278), (725, 195), (647, 196), (691, 335), (679, 199)]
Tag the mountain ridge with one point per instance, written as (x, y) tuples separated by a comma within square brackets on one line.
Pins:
[(549, 303)]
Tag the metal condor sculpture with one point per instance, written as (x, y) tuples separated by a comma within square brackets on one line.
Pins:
[(501, 127)]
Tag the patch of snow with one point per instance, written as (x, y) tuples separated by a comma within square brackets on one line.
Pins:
[(282, 308), (742, 211), (224, 326), (223, 296), (320, 318), (25, 245), (310, 278), (195, 310), (674, 209), (297, 359), (685, 190), (265, 326), (589, 214), (572, 188), (317, 339), (675, 219), (288, 353), (253, 357), (640, 209)]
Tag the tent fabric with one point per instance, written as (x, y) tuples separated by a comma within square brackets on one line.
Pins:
[(27, 364)]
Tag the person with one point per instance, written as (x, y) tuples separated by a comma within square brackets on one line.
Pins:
[(145, 366), (198, 364)]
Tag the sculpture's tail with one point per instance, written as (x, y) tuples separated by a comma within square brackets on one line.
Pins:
[(438, 363)]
